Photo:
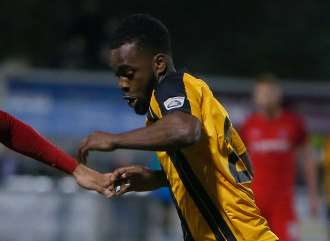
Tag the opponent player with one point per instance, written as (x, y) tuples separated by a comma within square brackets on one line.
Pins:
[(21, 138), (203, 159), (273, 137)]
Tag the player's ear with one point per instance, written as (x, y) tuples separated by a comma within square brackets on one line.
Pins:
[(159, 64)]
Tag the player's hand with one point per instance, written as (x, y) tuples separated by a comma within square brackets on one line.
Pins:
[(97, 141), (131, 178), (92, 180)]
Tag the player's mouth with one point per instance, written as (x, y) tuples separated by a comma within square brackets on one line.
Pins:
[(131, 100)]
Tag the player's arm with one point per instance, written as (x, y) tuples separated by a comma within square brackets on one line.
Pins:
[(23, 139), (176, 130), (309, 168), (309, 164)]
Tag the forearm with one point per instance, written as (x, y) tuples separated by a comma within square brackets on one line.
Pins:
[(310, 170), (22, 138), (164, 135), (149, 138), (310, 177), (154, 179), (159, 180)]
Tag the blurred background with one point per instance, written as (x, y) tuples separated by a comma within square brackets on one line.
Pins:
[(54, 75)]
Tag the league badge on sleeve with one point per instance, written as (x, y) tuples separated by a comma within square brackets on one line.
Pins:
[(174, 102)]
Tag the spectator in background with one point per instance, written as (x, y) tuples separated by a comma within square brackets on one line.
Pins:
[(273, 137)]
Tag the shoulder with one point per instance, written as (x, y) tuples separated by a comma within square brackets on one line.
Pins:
[(171, 83), (292, 117), (179, 82), (295, 122), (195, 84), (171, 94)]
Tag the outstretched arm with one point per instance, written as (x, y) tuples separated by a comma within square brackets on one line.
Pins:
[(174, 131), (310, 172), (22, 138)]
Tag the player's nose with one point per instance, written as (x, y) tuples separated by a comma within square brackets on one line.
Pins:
[(124, 85)]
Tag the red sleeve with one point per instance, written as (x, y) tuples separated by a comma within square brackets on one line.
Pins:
[(22, 138)]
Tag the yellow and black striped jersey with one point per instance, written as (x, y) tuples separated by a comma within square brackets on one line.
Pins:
[(209, 182)]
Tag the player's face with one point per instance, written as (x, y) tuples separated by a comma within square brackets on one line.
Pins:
[(136, 78), (267, 96)]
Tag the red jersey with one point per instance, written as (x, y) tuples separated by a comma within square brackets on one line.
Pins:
[(272, 144)]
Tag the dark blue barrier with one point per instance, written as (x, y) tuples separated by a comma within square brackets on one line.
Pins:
[(75, 109)]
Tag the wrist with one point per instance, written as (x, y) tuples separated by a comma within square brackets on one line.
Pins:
[(79, 170)]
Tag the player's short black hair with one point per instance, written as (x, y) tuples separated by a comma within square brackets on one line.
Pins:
[(148, 32)]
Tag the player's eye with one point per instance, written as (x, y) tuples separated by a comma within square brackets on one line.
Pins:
[(125, 72)]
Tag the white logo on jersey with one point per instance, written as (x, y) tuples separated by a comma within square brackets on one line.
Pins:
[(271, 145), (174, 102)]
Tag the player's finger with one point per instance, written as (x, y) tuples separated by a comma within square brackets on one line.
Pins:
[(111, 188), (121, 171), (114, 177), (104, 191), (107, 193), (83, 153), (127, 174), (116, 174), (82, 158), (110, 192), (80, 153), (83, 142), (126, 188), (99, 189), (85, 147), (111, 195), (120, 190)]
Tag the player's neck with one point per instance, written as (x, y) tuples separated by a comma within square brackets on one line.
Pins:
[(169, 70)]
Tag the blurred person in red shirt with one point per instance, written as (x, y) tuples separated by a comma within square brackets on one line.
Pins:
[(274, 138)]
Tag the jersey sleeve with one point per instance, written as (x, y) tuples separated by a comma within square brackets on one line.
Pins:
[(151, 114), (173, 94), (236, 141), (232, 138), (23, 139)]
